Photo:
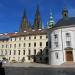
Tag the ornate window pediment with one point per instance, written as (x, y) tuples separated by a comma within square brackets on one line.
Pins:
[(68, 48)]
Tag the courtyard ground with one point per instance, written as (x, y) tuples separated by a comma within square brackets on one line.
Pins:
[(64, 65), (37, 69)]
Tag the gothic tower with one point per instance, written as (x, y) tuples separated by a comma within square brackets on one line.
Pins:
[(24, 23), (50, 23), (37, 20)]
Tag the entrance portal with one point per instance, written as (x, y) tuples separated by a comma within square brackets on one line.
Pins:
[(69, 56)]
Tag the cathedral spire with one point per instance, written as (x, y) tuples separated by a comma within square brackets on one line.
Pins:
[(50, 23), (37, 20), (24, 23)]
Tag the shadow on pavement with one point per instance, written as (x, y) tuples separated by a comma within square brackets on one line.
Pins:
[(2, 71)]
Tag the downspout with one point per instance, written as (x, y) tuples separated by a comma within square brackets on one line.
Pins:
[(62, 44)]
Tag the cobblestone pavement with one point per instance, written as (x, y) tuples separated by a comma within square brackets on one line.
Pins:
[(64, 65), (37, 69)]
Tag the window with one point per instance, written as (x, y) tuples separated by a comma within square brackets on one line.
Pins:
[(1, 52), (10, 52), (67, 34), (18, 52), (5, 52), (46, 36), (15, 39), (6, 46), (40, 37), (10, 45), (56, 40), (23, 52), (56, 54), (29, 37), (28, 57), (34, 37), (14, 45), (24, 45), (46, 44), (68, 39), (34, 44), (29, 54), (2, 46), (40, 51), (29, 44), (56, 44), (11, 39), (14, 52), (68, 43), (55, 36), (24, 38), (40, 43), (19, 38), (34, 51), (19, 45)]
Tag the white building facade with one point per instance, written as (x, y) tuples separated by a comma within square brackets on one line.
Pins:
[(62, 38)]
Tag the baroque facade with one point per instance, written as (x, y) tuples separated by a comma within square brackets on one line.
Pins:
[(62, 37)]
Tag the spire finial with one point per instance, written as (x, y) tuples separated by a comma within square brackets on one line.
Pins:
[(65, 13), (50, 23)]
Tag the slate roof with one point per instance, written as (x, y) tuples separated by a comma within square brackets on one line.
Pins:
[(65, 22)]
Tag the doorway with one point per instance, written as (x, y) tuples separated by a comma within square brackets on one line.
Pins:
[(69, 56), (34, 59)]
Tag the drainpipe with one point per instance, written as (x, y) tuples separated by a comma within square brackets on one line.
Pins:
[(62, 44)]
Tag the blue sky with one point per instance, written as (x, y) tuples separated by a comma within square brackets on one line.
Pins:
[(11, 11)]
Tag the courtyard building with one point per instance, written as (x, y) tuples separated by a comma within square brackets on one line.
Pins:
[(62, 37)]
